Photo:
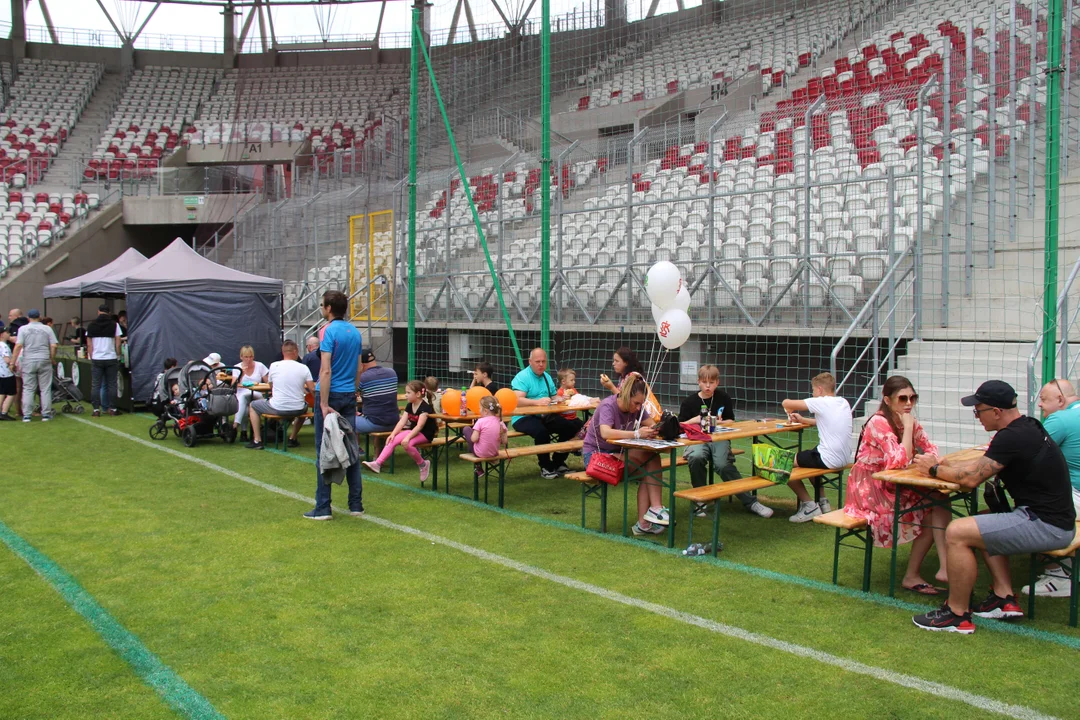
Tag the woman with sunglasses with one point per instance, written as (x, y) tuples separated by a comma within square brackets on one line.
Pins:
[(890, 440)]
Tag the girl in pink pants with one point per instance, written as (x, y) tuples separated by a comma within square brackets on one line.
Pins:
[(415, 427)]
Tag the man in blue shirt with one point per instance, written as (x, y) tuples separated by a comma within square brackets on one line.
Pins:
[(1061, 420), (336, 393), (534, 386)]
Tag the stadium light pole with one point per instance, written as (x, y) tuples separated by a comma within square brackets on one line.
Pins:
[(414, 74), (1053, 162), (545, 175)]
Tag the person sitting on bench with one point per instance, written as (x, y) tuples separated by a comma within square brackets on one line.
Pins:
[(719, 406), (534, 386), (289, 380), (832, 416), (1030, 465)]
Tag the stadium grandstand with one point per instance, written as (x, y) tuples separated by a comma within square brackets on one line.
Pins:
[(826, 193), (854, 186)]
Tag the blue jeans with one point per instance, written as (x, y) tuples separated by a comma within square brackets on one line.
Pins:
[(345, 404), (365, 426), (103, 383)]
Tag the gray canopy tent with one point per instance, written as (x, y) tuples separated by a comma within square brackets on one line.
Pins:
[(75, 287), (184, 306)]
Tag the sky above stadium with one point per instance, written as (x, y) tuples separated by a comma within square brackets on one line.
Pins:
[(290, 23)]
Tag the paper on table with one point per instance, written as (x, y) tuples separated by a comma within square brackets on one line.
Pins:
[(650, 444)]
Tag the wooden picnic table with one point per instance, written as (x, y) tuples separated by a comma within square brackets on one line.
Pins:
[(931, 492), (739, 430), (459, 423)]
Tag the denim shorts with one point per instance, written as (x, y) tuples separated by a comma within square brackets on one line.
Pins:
[(585, 456), (1020, 532)]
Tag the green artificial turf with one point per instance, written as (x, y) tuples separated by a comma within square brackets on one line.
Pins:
[(267, 615)]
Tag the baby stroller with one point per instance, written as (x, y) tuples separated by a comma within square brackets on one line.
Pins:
[(206, 405), (66, 391), (165, 404)]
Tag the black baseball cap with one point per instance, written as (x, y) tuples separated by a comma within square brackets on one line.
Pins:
[(367, 356), (995, 393)]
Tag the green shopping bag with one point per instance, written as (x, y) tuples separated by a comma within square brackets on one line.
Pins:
[(773, 464)]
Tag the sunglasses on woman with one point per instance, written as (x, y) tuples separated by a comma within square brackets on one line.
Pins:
[(912, 398)]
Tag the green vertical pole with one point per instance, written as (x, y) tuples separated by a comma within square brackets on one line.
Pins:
[(1053, 165), (414, 76), (545, 175)]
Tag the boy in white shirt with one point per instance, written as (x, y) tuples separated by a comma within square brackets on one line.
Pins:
[(7, 377), (832, 416)]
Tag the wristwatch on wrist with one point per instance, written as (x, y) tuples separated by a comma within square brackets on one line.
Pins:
[(933, 471)]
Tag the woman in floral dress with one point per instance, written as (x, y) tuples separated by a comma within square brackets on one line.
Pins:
[(889, 441)]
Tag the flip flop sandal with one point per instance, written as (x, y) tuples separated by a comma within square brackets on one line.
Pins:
[(926, 589)]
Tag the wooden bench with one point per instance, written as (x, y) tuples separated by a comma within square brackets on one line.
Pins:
[(849, 526), (497, 464), (706, 494), (1039, 560), (281, 434), (821, 477)]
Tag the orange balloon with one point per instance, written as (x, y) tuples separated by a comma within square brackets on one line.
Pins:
[(472, 398), (508, 400), (451, 402)]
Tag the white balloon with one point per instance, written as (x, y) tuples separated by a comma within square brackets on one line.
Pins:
[(673, 328), (682, 300), (657, 311), (662, 283)]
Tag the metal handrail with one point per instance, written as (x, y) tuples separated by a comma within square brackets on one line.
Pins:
[(1062, 305), (888, 280)]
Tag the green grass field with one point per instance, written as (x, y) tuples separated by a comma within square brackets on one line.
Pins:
[(435, 606)]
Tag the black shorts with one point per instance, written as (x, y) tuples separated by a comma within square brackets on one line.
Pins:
[(810, 459), (7, 385)]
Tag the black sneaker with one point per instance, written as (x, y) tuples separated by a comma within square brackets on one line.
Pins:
[(293, 443), (5, 416), (254, 445), (996, 607), (549, 474), (945, 620), (562, 469)]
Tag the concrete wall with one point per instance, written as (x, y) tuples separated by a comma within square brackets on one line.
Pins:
[(172, 210), (100, 242)]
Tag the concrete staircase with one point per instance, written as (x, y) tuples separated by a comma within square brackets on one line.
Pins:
[(944, 371), (66, 172)]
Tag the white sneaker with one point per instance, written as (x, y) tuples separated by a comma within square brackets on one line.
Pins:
[(1050, 585), (759, 509), (372, 466), (701, 510), (807, 511), (658, 516), (825, 505)]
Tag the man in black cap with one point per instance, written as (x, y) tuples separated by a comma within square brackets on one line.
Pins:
[(1031, 467), (103, 348)]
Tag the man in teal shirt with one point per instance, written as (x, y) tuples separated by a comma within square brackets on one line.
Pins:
[(534, 386), (1061, 418)]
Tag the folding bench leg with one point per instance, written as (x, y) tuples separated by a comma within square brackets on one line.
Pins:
[(836, 558), (868, 557), (716, 529), (1074, 596), (1032, 577), (502, 480)]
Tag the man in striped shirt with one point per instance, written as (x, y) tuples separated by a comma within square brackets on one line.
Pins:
[(378, 388)]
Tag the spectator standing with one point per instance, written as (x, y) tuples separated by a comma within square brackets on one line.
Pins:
[(534, 386), (290, 381), (1026, 460), (77, 334), (7, 377), (336, 390), (35, 352), (103, 348), (121, 320), (378, 388), (15, 321)]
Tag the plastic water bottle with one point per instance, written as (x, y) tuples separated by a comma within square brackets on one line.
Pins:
[(704, 419), (464, 410)]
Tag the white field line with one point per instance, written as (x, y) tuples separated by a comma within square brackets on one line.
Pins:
[(902, 679)]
